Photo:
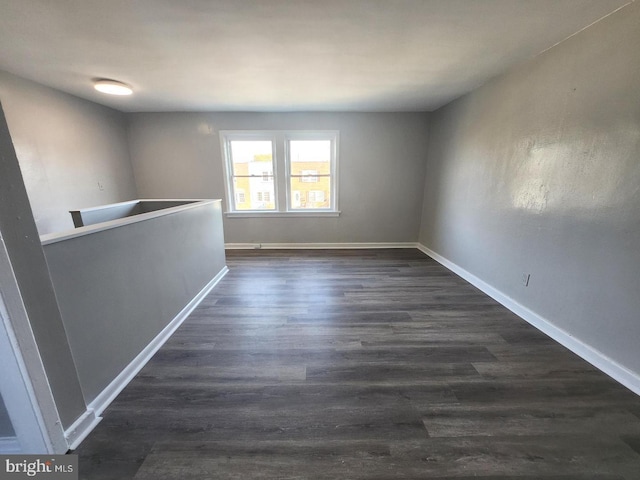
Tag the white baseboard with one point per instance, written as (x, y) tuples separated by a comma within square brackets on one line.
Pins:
[(87, 422), (618, 372), (77, 432), (317, 246)]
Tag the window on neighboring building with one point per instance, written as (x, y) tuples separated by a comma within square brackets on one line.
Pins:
[(263, 196), (316, 196), (281, 172), (308, 176), (297, 199)]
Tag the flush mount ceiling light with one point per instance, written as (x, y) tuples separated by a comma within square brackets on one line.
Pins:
[(112, 87)]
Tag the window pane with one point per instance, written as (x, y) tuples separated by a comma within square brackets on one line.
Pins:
[(310, 155), (310, 167), (244, 152), (253, 181)]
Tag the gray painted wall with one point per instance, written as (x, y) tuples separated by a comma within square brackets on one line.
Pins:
[(118, 288), (107, 213), (18, 231), (115, 211), (66, 146), (6, 427), (539, 172), (381, 171)]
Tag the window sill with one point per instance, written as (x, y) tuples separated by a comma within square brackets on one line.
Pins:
[(254, 214)]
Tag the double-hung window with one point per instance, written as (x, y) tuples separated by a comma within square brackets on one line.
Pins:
[(281, 172)]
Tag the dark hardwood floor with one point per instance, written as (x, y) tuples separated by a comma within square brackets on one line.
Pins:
[(362, 364)]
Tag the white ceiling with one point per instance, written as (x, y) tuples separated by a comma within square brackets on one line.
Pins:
[(282, 55)]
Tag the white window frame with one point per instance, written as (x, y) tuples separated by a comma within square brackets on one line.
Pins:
[(283, 195)]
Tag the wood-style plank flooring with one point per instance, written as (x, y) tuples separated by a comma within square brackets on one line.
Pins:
[(362, 364)]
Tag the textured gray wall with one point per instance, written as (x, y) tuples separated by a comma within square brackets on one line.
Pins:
[(118, 288), (539, 172), (381, 171), (65, 146)]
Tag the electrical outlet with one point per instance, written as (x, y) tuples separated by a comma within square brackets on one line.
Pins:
[(525, 279)]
